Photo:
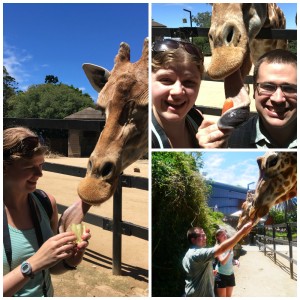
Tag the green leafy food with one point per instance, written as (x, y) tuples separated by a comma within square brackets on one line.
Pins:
[(78, 229)]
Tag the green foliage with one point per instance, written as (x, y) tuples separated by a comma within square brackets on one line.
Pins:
[(280, 216), (51, 79), (292, 46), (179, 201), (48, 101), (203, 44), (9, 88), (202, 20)]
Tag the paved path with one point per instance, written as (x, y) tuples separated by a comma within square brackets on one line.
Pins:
[(259, 276)]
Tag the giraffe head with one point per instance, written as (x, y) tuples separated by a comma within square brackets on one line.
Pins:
[(234, 27), (277, 183), (123, 94)]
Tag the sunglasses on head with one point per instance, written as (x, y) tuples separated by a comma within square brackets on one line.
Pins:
[(168, 44), (25, 147)]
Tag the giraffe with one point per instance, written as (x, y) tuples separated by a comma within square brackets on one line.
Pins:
[(277, 183), (234, 27), (123, 94)]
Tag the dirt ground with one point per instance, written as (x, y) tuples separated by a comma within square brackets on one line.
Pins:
[(94, 278), (259, 276)]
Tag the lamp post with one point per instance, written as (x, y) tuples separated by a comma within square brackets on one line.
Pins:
[(249, 185), (190, 15)]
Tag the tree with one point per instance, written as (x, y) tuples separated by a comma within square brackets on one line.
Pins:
[(51, 79), (48, 101), (9, 89), (203, 20), (179, 201)]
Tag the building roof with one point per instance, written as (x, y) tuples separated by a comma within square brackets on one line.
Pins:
[(156, 24), (228, 186), (87, 114)]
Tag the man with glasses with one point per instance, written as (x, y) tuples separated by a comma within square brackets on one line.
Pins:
[(198, 260), (275, 94)]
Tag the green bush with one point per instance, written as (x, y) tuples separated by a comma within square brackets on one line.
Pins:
[(179, 201)]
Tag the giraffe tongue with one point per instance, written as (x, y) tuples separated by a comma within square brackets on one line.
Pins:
[(236, 108), (234, 117)]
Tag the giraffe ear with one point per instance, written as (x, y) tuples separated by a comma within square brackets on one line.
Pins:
[(96, 75)]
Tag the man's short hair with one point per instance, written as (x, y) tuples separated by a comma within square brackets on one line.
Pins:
[(274, 56), (191, 234)]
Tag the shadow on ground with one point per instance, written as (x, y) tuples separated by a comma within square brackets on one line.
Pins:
[(106, 262), (282, 266)]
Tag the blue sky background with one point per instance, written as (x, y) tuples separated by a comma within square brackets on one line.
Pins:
[(56, 39), (238, 168), (171, 14)]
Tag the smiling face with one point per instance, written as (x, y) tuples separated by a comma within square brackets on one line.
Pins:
[(22, 174), (200, 239), (174, 92), (277, 110)]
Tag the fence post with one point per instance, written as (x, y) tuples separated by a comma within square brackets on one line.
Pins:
[(290, 239), (265, 241), (274, 243), (117, 235)]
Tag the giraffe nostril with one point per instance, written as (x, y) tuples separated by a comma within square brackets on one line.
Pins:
[(107, 169), (229, 36), (90, 165)]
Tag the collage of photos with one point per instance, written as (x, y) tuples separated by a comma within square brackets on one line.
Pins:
[(149, 149)]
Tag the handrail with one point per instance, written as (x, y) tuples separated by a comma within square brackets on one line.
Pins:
[(263, 239)]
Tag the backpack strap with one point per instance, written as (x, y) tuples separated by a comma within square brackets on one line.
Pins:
[(159, 137), (45, 201), (6, 239), (37, 227), (38, 232), (196, 116)]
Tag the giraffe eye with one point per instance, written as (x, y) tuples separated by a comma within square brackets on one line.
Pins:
[(272, 161)]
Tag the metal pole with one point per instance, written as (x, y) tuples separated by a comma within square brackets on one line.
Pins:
[(290, 239), (274, 243), (191, 24), (117, 235), (190, 16)]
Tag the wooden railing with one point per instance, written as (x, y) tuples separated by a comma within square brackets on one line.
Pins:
[(116, 225), (266, 242)]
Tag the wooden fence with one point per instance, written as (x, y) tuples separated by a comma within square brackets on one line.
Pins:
[(116, 225), (269, 243)]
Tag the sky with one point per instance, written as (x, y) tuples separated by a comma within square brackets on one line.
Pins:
[(237, 168), (56, 39), (171, 14)]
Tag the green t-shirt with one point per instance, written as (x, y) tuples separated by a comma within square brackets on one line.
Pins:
[(197, 264), (24, 244)]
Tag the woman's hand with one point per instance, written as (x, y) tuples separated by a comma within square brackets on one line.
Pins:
[(210, 136), (78, 250), (55, 249)]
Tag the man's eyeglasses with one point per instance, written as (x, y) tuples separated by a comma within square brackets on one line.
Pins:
[(200, 235), (268, 89), (25, 147), (168, 44)]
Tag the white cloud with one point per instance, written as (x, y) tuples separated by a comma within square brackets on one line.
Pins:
[(240, 173), (14, 60)]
